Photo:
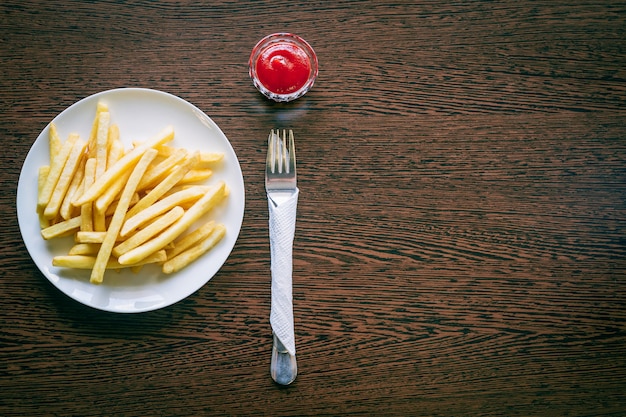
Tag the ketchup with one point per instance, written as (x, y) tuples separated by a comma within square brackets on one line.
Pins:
[(283, 68)]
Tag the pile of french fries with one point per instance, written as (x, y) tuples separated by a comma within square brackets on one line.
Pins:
[(127, 208)]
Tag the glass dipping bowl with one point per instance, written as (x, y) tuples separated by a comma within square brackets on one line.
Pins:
[(288, 66)]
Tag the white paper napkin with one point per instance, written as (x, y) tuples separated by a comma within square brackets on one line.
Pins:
[(282, 226)]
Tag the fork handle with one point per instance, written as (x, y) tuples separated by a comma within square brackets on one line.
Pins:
[(282, 222), (283, 366)]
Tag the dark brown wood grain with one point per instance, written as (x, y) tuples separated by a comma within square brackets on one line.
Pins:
[(460, 246)]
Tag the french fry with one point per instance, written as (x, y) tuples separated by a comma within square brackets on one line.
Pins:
[(149, 231), (41, 180), (89, 237), (112, 139), (160, 207), (67, 209), (56, 167), (104, 254), (102, 140), (185, 242), (55, 142), (206, 158), (102, 150), (84, 249), (201, 207), (99, 220), (74, 261), (122, 165), (185, 258), (86, 210), (196, 175), (65, 178), (61, 229), (91, 142), (89, 262)]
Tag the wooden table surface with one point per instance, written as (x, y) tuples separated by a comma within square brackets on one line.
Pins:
[(461, 237)]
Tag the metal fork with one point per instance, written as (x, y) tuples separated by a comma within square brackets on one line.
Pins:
[(280, 184)]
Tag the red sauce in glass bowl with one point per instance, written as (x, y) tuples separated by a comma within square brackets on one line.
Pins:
[(283, 66)]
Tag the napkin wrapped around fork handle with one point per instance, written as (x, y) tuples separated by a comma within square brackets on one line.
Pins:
[(282, 226)]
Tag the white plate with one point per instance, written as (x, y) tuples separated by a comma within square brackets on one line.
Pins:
[(140, 114)]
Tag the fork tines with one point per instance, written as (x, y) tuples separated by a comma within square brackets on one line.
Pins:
[(281, 157)]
